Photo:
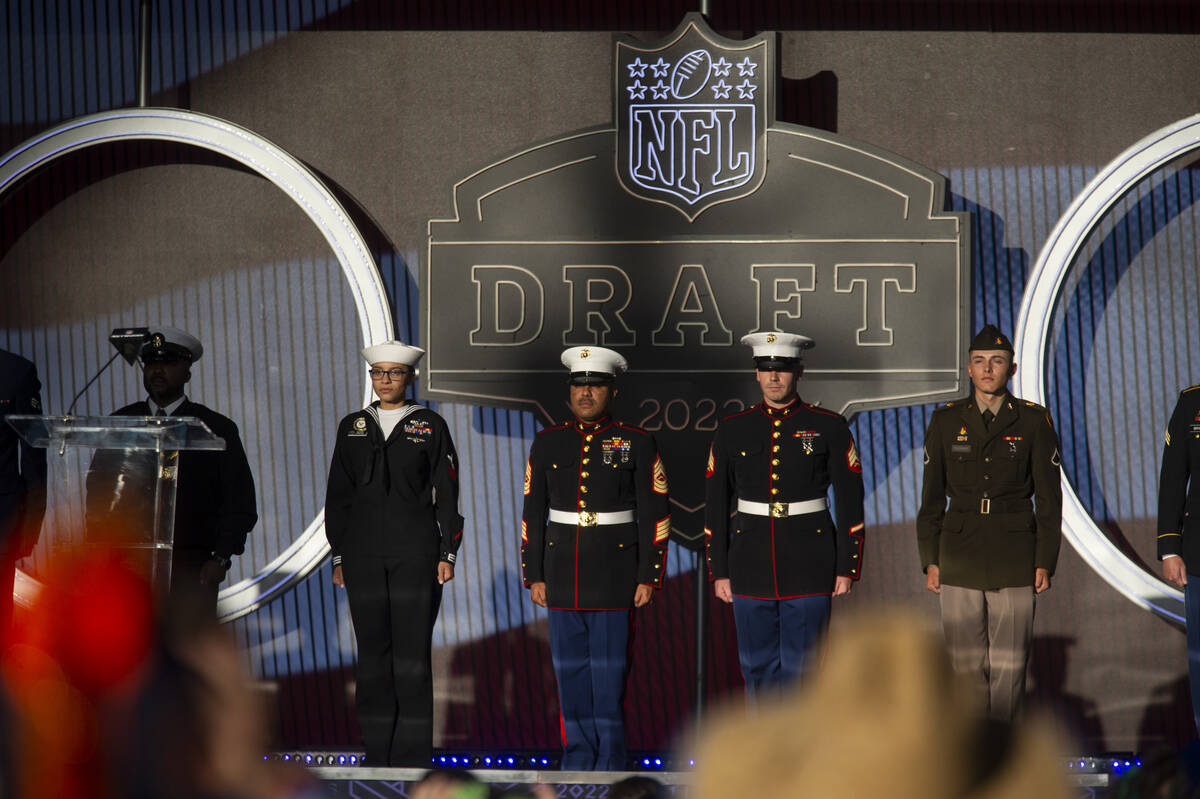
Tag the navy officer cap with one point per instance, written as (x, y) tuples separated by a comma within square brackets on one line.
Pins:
[(171, 343)]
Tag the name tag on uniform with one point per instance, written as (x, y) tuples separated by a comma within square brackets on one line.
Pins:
[(960, 449)]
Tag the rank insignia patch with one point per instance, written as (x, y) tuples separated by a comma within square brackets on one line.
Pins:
[(662, 529), (660, 476), (852, 461), (359, 429)]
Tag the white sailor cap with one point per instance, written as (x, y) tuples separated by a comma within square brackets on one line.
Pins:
[(593, 365), (169, 343), (392, 352), (775, 349)]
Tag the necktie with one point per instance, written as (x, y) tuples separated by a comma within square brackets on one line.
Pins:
[(988, 416), (160, 412)]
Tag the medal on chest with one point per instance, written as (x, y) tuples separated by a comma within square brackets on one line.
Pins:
[(615, 449), (418, 427), (807, 437), (1012, 443)]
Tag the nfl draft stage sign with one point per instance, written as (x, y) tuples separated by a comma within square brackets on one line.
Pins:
[(693, 219)]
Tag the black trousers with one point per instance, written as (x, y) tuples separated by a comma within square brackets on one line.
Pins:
[(394, 603), (191, 603)]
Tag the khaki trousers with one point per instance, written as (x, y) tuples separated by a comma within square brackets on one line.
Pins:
[(988, 634)]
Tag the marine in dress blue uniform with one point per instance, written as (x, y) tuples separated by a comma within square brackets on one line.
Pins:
[(22, 476), (391, 517), (1179, 521), (773, 549), (594, 535)]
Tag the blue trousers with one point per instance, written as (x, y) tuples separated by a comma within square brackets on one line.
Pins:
[(776, 639), (588, 648), (1191, 604)]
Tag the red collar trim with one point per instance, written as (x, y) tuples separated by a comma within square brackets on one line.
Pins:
[(780, 413), (593, 427)]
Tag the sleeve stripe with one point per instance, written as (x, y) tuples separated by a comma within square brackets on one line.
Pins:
[(662, 529), (660, 476)]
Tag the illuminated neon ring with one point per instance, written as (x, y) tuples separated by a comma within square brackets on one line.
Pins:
[(1033, 340), (307, 190)]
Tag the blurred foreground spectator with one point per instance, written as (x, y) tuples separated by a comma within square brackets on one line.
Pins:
[(111, 702), (886, 716)]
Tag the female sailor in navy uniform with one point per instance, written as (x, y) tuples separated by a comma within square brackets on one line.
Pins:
[(391, 516)]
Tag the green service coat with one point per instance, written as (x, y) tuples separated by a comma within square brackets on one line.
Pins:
[(1004, 518)]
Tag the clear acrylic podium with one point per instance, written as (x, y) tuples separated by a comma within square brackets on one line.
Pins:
[(113, 481)]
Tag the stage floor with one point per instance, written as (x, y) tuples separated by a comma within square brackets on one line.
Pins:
[(389, 783), (386, 783)]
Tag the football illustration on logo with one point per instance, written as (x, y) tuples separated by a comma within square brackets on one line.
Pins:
[(691, 74)]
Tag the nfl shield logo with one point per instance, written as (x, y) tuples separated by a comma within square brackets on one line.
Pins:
[(692, 116)]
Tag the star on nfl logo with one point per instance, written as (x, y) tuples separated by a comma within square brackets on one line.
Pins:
[(692, 115)]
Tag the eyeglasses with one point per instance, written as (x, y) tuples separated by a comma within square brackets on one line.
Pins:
[(392, 374)]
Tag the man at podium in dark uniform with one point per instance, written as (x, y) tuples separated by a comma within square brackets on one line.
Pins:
[(215, 505), (594, 534), (22, 477), (774, 551), (1179, 522)]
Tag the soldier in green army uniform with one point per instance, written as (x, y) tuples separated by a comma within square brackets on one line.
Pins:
[(995, 546), (1179, 522)]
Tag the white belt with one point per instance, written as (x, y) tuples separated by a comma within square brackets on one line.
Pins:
[(781, 509), (591, 518)]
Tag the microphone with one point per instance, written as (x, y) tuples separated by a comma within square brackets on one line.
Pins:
[(128, 341)]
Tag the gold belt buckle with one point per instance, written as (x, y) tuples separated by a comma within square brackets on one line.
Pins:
[(779, 510), (587, 518)]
